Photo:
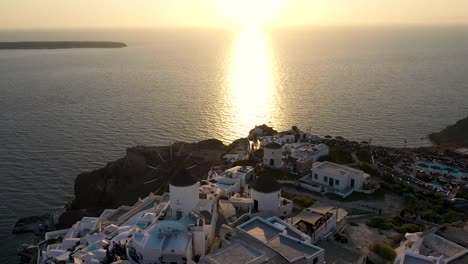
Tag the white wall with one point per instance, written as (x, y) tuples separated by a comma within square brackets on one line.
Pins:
[(266, 201), (344, 180), (198, 241), (275, 154), (183, 199)]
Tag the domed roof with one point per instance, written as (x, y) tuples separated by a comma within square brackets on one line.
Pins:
[(273, 145), (182, 178), (266, 184)]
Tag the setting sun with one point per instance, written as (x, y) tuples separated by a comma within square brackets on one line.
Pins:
[(251, 12)]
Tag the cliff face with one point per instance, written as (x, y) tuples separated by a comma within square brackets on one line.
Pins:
[(452, 135), (123, 181)]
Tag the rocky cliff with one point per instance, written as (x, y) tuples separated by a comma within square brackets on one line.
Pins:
[(456, 134), (141, 171)]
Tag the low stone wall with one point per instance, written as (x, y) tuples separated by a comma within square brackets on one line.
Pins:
[(369, 191)]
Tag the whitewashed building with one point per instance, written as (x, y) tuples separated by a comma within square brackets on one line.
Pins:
[(337, 178), (232, 180), (184, 194), (319, 220), (303, 155), (408, 257), (187, 234), (266, 197), (287, 139), (270, 240), (273, 155)]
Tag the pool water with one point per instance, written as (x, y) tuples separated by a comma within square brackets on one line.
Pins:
[(437, 186), (142, 225), (224, 186), (92, 248), (439, 168)]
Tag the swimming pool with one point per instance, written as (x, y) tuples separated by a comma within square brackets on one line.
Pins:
[(435, 167), (223, 186), (437, 186)]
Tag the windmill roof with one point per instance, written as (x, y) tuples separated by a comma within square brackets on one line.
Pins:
[(266, 184), (182, 178)]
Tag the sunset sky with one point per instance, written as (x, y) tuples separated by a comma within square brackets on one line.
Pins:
[(29, 14)]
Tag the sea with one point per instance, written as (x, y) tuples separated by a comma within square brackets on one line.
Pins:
[(63, 112)]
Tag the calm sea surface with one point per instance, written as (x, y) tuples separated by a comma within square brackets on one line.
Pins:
[(63, 112)]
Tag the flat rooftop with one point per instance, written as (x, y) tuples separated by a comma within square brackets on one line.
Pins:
[(338, 253), (308, 217), (457, 235), (291, 249), (336, 169), (235, 253), (260, 230), (415, 260), (290, 231), (460, 260)]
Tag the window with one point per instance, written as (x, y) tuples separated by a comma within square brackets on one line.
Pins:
[(315, 176), (315, 261), (337, 182), (325, 178), (352, 182)]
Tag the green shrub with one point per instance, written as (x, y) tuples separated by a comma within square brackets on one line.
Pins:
[(341, 156), (408, 228), (462, 193), (395, 241), (383, 250), (396, 220), (380, 223), (364, 155), (299, 200), (324, 158), (452, 216)]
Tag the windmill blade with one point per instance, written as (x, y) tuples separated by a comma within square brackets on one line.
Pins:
[(151, 167), (161, 157), (158, 189), (190, 155), (170, 148), (181, 148), (151, 181), (191, 167)]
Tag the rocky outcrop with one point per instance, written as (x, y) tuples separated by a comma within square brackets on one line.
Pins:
[(452, 135), (142, 170), (35, 224)]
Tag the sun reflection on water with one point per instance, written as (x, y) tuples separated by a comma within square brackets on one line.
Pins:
[(251, 82)]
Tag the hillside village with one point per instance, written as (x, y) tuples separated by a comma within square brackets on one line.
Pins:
[(285, 197)]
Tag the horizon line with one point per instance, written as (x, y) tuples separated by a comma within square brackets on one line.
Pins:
[(269, 27)]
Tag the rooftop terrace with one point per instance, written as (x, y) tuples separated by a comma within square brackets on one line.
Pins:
[(334, 168)]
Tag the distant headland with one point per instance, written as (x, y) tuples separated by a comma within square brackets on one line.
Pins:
[(456, 134), (60, 45)]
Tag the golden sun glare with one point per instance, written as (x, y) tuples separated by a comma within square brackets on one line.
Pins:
[(251, 12)]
